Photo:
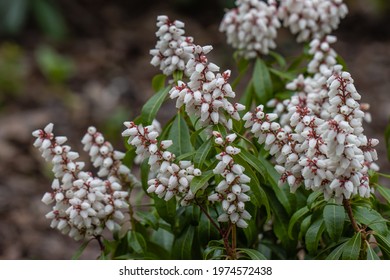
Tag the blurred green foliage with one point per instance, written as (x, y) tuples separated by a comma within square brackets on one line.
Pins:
[(12, 69), (55, 67), (14, 15)]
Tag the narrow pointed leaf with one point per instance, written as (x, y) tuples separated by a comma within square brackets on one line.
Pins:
[(136, 241), (180, 135), (262, 82), (151, 107), (384, 244), (252, 254), (200, 181), (313, 236), (371, 255), (371, 218), (166, 209), (337, 252), (351, 250), (300, 214), (203, 152), (158, 82), (334, 216), (182, 246)]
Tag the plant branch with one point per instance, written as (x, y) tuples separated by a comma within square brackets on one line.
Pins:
[(348, 208)]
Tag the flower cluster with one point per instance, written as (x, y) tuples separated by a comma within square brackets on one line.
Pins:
[(231, 190), (329, 152), (310, 18), (84, 205), (171, 179), (251, 28), (168, 53), (205, 95)]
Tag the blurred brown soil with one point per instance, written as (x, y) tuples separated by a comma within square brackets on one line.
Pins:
[(110, 45)]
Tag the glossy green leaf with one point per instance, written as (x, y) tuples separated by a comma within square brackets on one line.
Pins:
[(351, 250), (305, 224), (334, 216), (158, 82), (180, 135), (385, 192), (253, 161), (371, 254), (207, 231), (178, 75), (202, 153), (300, 214), (282, 75), (166, 209), (262, 82), (151, 107), (313, 236), (145, 169), (199, 182), (337, 252), (283, 193), (384, 244), (182, 245), (251, 254), (278, 58), (247, 97), (371, 218), (136, 241), (258, 195)]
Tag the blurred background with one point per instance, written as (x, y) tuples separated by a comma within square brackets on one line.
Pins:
[(86, 62)]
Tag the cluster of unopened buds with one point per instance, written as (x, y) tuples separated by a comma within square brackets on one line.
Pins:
[(206, 94), (84, 204), (231, 190), (170, 179), (169, 53), (252, 26)]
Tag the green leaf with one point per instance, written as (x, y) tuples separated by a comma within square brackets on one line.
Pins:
[(371, 218), (334, 216), (50, 19), (137, 242), (313, 236), (203, 152), (300, 214), (178, 75), (258, 195), (282, 75), (166, 209), (384, 244), (206, 229), (262, 82), (145, 169), (180, 135), (252, 254), (351, 250), (80, 250), (182, 246), (385, 192), (278, 58), (253, 161), (158, 82), (337, 252), (200, 181), (148, 218), (247, 97), (371, 255), (151, 107)]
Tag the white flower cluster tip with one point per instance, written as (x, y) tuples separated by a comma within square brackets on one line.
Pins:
[(171, 179), (251, 28), (310, 18), (169, 54), (231, 190), (205, 95), (84, 204)]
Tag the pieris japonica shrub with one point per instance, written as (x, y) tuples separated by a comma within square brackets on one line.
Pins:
[(281, 170)]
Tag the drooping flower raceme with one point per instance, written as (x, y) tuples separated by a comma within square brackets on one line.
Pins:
[(168, 53), (251, 27), (231, 190), (171, 179), (84, 205), (206, 94), (328, 153), (310, 18)]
